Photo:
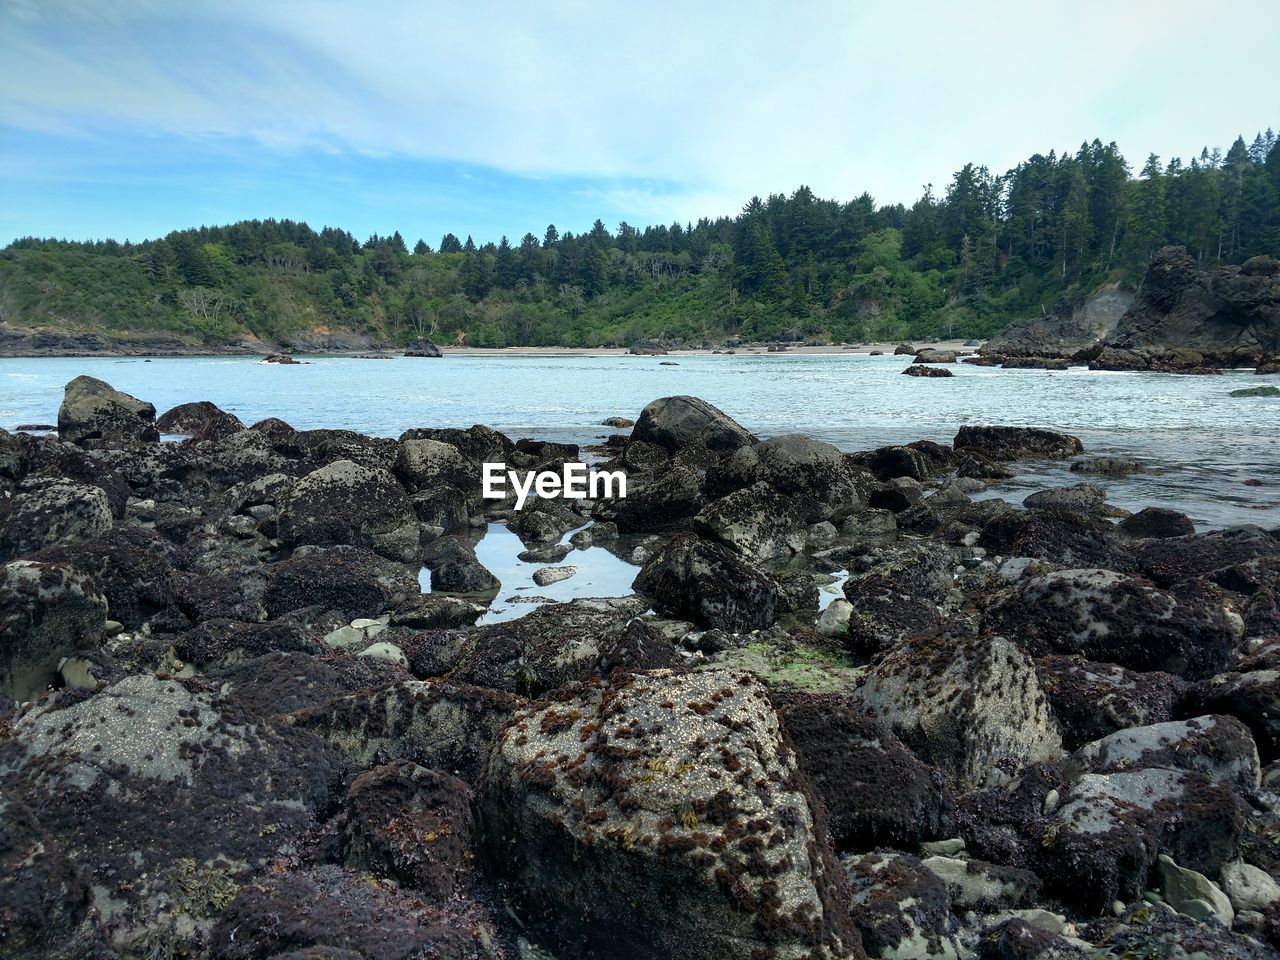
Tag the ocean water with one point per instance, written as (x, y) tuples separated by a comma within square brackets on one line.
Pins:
[(1199, 444)]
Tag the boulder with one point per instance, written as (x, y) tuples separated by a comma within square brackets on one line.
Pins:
[(1102, 843), (1252, 697), (1219, 747), (1175, 559), (1081, 497), (1091, 700), (973, 884), (918, 371), (410, 823), (970, 705), (1107, 466), (898, 590), (48, 611), (876, 792), (235, 794), (94, 411), (201, 418), (676, 422), (816, 476), (52, 512), (1016, 443), (901, 908), (344, 503), (422, 347), (435, 611), (356, 582), (710, 585), (1249, 888), (665, 817), (904, 350), (455, 568), (1103, 615), (425, 465), (647, 348), (1157, 523), (440, 725), (930, 355), (755, 521)]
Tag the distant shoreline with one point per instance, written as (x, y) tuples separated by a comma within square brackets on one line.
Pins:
[(752, 349)]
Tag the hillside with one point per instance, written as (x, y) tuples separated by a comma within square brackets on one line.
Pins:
[(991, 250)]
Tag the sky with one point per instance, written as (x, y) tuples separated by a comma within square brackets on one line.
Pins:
[(131, 118)]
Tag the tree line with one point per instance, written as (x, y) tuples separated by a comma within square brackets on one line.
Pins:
[(965, 261)]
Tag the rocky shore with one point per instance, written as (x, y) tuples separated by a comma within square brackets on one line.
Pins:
[(233, 726), (1185, 319)]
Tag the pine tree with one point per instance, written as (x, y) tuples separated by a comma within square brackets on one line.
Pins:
[(1147, 219)]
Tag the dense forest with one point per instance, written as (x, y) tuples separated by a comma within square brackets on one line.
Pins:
[(987, 250)]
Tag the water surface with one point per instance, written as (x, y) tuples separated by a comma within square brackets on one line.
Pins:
[(1201, 443)]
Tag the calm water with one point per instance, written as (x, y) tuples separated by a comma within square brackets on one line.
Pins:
[(1201, 443)]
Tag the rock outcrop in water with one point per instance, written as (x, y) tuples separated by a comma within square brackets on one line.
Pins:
[(231, 725), (1185, 318)]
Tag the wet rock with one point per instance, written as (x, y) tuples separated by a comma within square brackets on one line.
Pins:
[(887, 463), (52, 512), (834, 620), (431, 611), (709, 585), (676, 422), (1176, 559), (344, 503), (222, 642), (94, 411), (443, 726), (327, 913), (930, 355), (356, 582), (1144, 931), (1091, 700), (455, 569), (1158, 523), (972, 706), (234, 794), (200, 417), (904, 350), (1017, 938), (1103, 615), (1252, 697), (870, 524), (1178, 885), (428, 464), (618, 423), (549, 575), (898, 590), (1082, 497), (671, 805), (1066, 538), (1249, 888), (410, 823), (664, 500), (901, 909), (1107, 466), (815, 476), (543, 521), (1016, 443), (47, 611), (283, 682), (422, 347), (1102, 843), (545, 553), (755, 521), (875, 790), (1220, 747), (561, 643), (918, 371), (981, 467), (973, 884)]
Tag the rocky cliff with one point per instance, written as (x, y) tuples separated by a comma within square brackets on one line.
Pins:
[(1066, 334)]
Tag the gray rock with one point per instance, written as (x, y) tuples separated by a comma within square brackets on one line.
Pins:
[(94, 411), (59, 511), (345, 503), (834, 620), (676, 422), (1248, 887), (969, 705), (549, 575), (1218, 746), (637, 811), (972, 884), (1193, 893), (48, 611)]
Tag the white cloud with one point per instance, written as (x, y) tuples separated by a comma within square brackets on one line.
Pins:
[(719, 100)]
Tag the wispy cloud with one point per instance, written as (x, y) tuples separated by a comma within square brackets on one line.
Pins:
[(665, 109)]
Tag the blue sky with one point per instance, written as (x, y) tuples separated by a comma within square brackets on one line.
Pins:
[(134, 117)]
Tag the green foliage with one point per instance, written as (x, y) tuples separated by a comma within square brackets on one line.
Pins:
[(991, 250)]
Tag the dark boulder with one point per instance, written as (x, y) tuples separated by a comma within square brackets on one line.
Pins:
[(676, 422), (877, 793), (1091, 700), (710, 585), (898, 590), (1175, 559), (94, 411), (44, 513), (344, 503), (900, 907), (1016, 443), (1252, 697), (422, 347), (347, 579), (455, 568), (930, 355), (1158, 523), (199, 418), (1103, 615), (915, 370), (647, 348)]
